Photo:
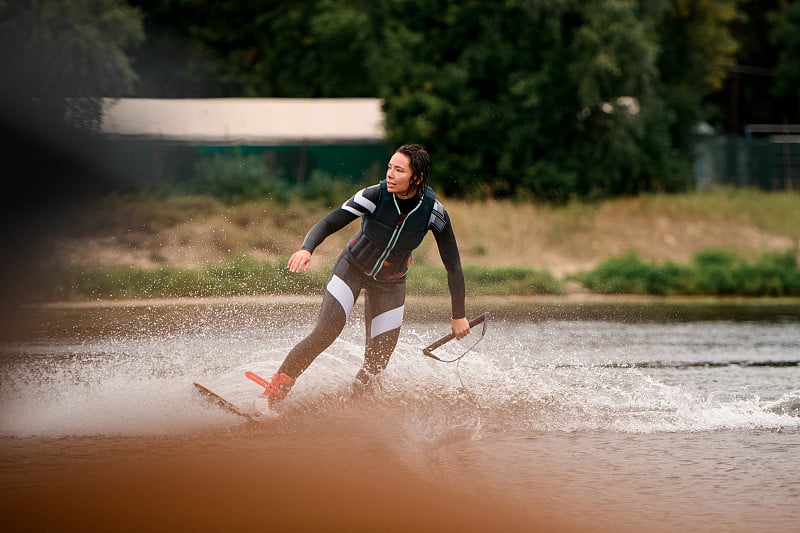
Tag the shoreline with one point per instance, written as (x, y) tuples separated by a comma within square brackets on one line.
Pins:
[(307, 299), (576, 306)]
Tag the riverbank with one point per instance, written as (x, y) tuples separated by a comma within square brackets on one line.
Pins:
[(131, 247), (191, 232)]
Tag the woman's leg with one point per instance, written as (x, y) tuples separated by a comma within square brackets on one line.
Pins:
[(340, 296), (384, 305)]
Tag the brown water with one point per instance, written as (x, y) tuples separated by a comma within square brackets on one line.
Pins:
[(546, 425)]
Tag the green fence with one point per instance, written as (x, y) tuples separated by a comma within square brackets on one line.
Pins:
[(768, 162), (153, 163)]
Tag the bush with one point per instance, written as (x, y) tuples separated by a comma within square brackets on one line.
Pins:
[(234, 178), (429, 280), (237, 275), (326, 191), (627, 274), (712, 272)]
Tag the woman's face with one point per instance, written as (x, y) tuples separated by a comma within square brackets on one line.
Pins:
[(398, 175)]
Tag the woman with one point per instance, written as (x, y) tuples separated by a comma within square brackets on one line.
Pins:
[(396, 214)]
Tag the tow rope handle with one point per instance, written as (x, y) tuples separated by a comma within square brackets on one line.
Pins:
[(428, 350)]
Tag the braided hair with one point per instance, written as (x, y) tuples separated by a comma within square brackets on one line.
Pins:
[(420, 167)]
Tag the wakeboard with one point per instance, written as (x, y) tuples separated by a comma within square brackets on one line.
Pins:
[(239, 393), (221, 402)]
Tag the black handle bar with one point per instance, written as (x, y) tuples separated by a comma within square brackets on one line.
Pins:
[(447, 338)]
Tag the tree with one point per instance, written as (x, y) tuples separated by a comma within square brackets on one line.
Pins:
[(754, 90), (266, 48), (543, 98), (62, 58), (550, 99), (786, 37), (698, 49)]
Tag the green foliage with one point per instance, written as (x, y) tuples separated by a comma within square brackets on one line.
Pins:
[(698, 49), (546, 99), (235, 177), (510, 281), (534, 99), (786, 37), (326, 191), (506, 281), (480, 249), (712, 272), (762, 87), (63, 57), (528, 99), (241, 274), (303, 48), (622, 275), (698, 41), (238, 275)]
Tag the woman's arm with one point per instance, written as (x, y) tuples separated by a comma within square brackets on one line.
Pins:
[(448, 251), (356, 206)]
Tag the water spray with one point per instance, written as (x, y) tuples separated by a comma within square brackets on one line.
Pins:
[(428, 350)]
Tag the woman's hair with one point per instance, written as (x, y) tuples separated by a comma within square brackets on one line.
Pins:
[(420, 166)]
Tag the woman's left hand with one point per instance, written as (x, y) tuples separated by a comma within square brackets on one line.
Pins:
[(460, 327), (300, 261)]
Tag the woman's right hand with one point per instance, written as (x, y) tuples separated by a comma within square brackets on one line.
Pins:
[(300, 261)]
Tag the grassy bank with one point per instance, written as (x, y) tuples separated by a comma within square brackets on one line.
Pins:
[(720, 242), (712, 273), (243, 275)]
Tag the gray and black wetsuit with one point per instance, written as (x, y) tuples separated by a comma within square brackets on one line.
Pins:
[(376, 261)]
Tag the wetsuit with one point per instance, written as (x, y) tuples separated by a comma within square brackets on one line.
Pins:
[(376, 261)]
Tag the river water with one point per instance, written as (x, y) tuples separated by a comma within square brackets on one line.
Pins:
[(548, 422)]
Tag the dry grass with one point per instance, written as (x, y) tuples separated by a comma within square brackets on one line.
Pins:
[(194, 231), (578, 236)]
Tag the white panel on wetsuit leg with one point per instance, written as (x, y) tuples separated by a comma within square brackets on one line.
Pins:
[(341, 291), (387, 321)]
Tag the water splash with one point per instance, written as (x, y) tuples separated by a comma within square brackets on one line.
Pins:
[(572, 378), (786, 405)]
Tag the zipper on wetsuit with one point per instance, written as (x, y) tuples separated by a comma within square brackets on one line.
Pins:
[(399, 225)]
